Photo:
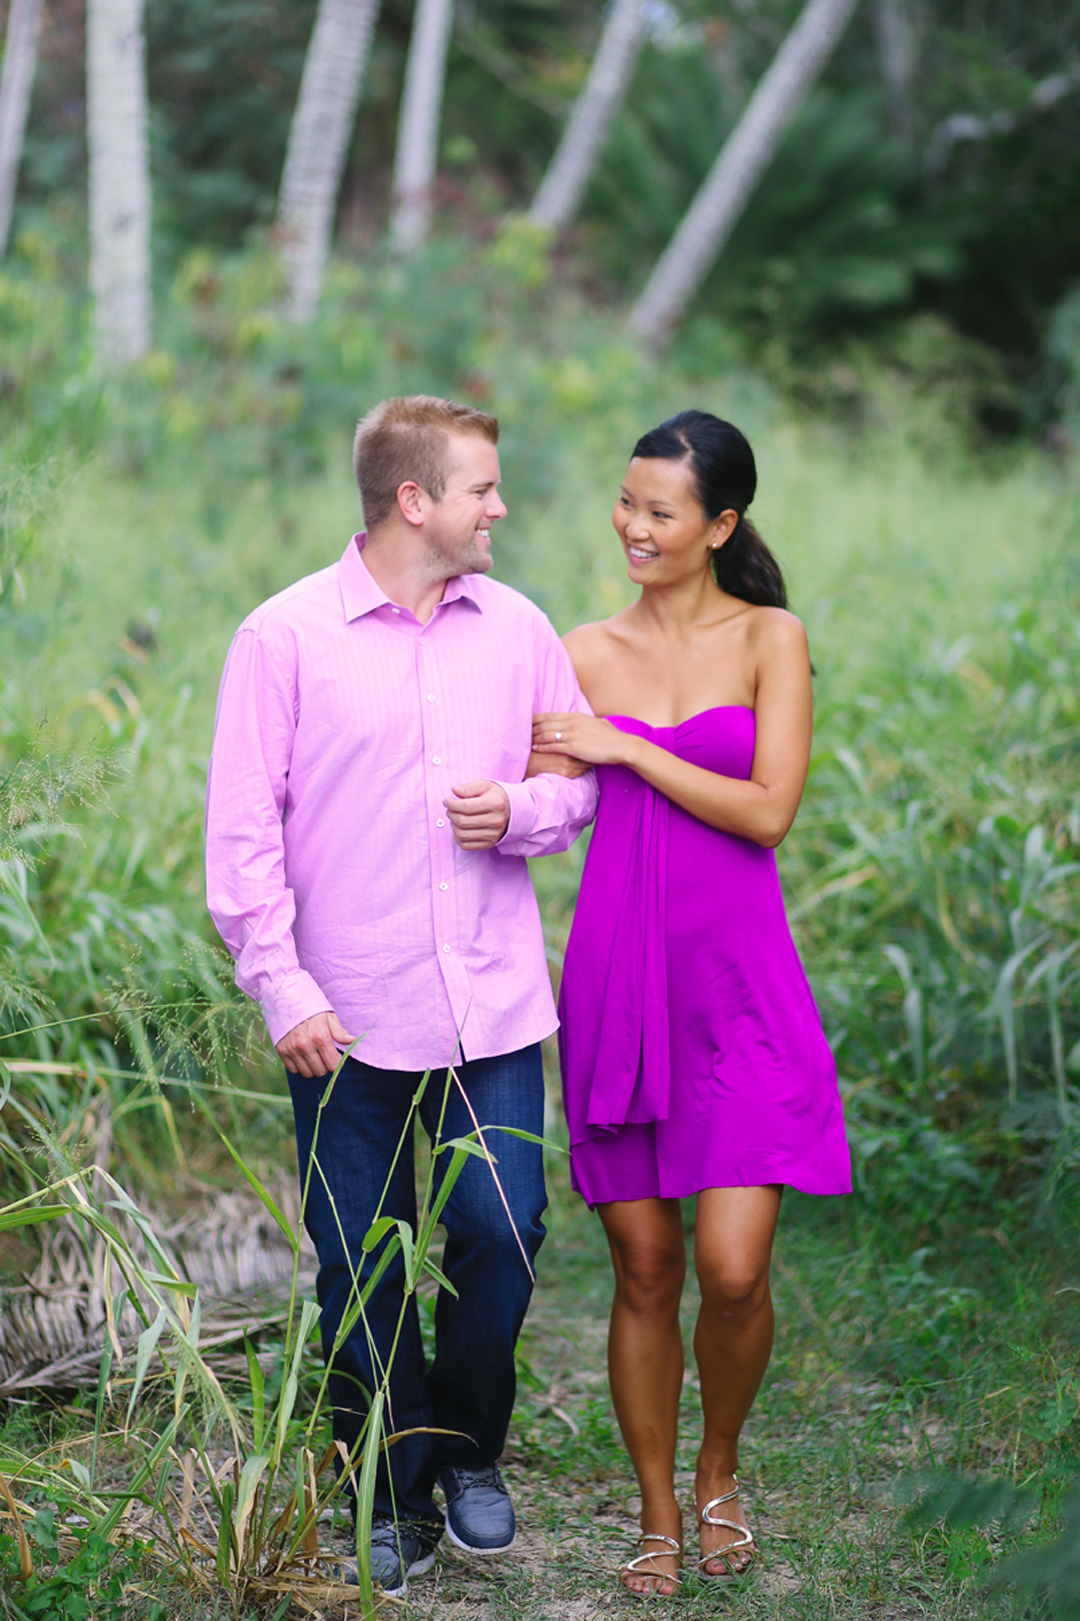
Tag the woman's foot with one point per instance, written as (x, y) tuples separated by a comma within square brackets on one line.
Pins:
[(725, 1550), (657, 1562), (655, 1568)]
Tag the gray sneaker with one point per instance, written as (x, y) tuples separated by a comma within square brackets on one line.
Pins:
[(397, 1553), (479, 1513)]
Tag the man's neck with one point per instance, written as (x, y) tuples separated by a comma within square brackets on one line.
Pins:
[(399, 568)]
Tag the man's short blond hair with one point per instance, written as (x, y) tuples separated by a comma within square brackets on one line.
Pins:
[(407, 440)]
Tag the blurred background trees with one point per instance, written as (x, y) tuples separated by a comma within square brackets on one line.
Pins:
[(119, 179), (894, 320), (930, 174), (319, 138), (16, 81)]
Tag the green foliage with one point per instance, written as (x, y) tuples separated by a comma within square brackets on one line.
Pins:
[(852, 226), (89, 1584), (249, 1526), (1060, 392), (931, 876), (1049, 1574), (830, 244), (860, 1418), (223, 81)]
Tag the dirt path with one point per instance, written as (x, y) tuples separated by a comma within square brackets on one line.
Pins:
[(821, 1455)]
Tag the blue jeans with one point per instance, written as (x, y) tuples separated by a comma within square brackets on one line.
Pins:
[(470, 1385)]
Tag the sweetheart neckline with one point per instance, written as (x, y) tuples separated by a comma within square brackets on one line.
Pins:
[(715, 710)]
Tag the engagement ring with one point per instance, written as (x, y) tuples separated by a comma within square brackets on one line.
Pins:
[(558, 737)]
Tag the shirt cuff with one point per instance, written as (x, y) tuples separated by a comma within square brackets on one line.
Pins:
[(522, 810), (289, 1003)]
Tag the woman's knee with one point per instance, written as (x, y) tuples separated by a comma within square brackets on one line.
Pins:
[(735, 1286), (649, 1278)]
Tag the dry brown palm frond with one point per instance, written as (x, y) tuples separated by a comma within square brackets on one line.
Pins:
[(52, 1326)]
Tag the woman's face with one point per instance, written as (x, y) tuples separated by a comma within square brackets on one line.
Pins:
[(664, 531)]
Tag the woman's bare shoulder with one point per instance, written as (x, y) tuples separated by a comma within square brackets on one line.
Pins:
[(588, 644), (776, 629)]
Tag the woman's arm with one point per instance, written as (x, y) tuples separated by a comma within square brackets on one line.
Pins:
[(559, 765), (761, 809)]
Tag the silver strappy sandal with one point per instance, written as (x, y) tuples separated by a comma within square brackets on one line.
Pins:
[(744, 1539), (637, 1565)]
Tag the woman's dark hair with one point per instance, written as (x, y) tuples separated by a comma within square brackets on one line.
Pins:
[(724, 475)]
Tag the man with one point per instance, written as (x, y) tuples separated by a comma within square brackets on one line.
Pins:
[(367, 828)]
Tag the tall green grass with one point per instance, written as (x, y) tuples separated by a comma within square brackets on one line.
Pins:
[(931, 872), (931, 875)]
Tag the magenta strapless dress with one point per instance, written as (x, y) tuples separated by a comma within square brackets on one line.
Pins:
[(692, 1051)]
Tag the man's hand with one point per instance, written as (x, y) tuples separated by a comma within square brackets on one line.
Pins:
[(479, 813), (309, 1048)]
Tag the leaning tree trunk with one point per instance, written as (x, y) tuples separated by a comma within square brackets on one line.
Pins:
[(745, 155), (418, 125), (578, 152), (119, 179), (318, 142), (20, 60)]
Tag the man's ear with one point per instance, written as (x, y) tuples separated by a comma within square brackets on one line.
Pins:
[(412, 500)]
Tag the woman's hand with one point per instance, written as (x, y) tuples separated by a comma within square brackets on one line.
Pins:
[(583, 736)]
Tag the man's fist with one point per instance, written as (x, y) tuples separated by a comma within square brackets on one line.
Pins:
[(479, 813), (311, 1048)]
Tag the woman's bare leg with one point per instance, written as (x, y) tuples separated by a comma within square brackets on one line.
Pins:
[(733, 1339), (645, 1363)]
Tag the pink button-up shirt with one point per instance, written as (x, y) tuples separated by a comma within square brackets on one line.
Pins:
[(332, 871)]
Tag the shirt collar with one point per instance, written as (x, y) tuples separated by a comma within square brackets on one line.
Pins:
[(361, 595)]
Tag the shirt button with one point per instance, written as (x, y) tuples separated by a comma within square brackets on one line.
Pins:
[(431, 697), (446, 948), (395, 610), (421, 641), (444, 886), (436, 759), (439, 822)]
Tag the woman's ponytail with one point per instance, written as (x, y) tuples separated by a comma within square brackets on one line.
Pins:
[(745, 567), (725, 479)]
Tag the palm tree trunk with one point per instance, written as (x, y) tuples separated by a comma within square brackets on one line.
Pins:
[(418, 125), (20, 60), (563, 186), (119, 179), (898, 49), (318, 142), (745, 155)]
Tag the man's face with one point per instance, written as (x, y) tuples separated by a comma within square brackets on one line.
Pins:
[(457, 529)]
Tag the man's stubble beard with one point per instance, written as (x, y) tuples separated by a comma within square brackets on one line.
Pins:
[(469, 560)]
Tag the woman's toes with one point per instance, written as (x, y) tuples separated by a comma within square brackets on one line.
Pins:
[(648, 1572)]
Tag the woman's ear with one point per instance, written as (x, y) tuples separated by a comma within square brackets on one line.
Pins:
[(722, 529)]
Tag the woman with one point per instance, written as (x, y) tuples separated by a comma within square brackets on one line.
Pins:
[(694, 1060)]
